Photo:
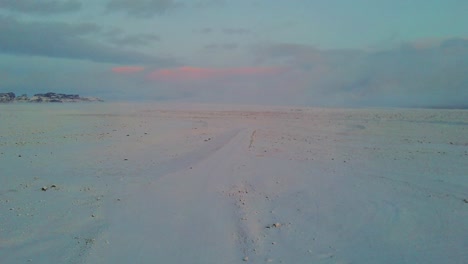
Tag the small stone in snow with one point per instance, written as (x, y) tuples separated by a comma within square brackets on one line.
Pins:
[(245, 258), (44, 188), (277, 225)]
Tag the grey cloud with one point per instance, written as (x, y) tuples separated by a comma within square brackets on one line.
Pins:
[(430, 77), (45, 7), (206, 30), (63, 40), (228, 31), (455, 45), (136, 40), (119, 38), (405, 76), (236, 31), (142, 8), (292, 54), (209, 3), (223, 46)]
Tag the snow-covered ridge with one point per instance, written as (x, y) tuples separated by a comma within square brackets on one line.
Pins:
[(46, 98)]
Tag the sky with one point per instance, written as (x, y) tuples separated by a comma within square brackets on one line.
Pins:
[(361, 53)]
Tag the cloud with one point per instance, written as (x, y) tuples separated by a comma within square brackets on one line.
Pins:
[(45, 7), (187, 73), (209, 3), (224, 46), (296, 55), (119, 38), (128, 69), (410, 75), (142, 8), (455, 46), (206, 30), (63, 40), (236, 31), (136, 40), (228, 31)]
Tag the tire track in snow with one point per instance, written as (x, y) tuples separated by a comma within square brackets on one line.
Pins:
[(252, 138), (186, 209)]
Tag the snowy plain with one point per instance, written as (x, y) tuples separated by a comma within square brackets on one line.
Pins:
[(173, 183)]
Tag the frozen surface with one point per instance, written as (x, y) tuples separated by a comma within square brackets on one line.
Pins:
[(143, 183)]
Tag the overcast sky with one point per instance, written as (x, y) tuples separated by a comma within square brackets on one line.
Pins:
[(288, 52)]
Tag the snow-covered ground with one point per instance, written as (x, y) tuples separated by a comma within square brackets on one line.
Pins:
[(149, 183)]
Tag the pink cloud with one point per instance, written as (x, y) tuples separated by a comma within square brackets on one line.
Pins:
[(127, 69), (187, 73)]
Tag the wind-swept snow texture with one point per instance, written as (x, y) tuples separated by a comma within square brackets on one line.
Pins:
[(148, 183)]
